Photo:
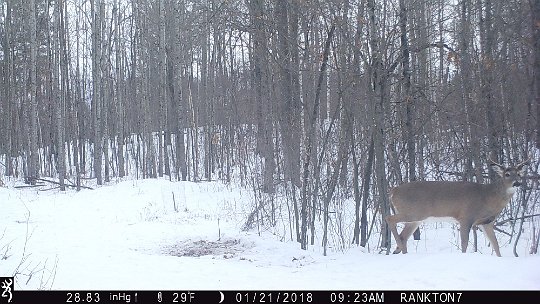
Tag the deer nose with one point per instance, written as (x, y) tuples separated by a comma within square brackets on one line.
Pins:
[(516, 184)]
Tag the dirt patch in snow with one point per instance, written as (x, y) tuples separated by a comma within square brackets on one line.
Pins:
[(226, 248)]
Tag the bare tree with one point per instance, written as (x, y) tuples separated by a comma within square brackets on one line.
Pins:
[(535, 8), (33, 165), (96, 88), (289, 103), (8, 89), (260, 80), (378, 82)]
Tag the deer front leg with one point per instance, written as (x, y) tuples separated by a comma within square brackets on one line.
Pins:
[(464, 230), (406, 234), (490, 233), (392, 221)]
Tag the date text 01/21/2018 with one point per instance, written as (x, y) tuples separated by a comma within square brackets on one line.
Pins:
[(273, 297)]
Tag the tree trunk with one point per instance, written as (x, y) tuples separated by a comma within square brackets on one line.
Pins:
[(9, 88), (487, 40), (294, 119), (289, 105), (260, 81), (119, 100), (361, 224), (105, 92), (164, 130), (536, 42), (378, 86), (409, 99), (59, 95), (309, 142), (33, 165), (466, 87), (96, 88)]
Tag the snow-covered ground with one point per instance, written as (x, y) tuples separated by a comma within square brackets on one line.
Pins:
[(134, 235)]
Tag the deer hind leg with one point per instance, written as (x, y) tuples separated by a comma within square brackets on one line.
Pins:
[(406, 234), (490, 233), (464, 230)]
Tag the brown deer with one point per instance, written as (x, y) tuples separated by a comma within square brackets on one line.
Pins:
[(466, 202)]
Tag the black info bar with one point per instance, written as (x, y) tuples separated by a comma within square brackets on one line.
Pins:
[(266, 296), (9, 294)]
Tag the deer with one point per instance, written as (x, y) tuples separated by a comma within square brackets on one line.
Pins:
[(468, 203)]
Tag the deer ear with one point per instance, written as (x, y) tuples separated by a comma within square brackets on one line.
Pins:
[(498, 169), (521, 170)]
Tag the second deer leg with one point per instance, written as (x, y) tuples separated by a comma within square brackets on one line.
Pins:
[(406, 234)]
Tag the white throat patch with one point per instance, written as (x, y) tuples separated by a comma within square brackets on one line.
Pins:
[(511, 190)]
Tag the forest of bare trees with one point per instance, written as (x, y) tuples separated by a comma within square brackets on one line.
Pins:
[(313, 105)]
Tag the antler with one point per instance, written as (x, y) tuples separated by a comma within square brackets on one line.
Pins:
[(524, 162), (494, 162), (518, 165)]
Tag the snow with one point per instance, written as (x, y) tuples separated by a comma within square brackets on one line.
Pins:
[(132, 235)]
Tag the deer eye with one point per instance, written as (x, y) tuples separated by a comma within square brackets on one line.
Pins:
[(507, 174)]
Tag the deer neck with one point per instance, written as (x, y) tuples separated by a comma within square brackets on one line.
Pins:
[(502, 192)]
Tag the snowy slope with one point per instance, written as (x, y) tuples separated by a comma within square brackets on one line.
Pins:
[(134, 235)]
